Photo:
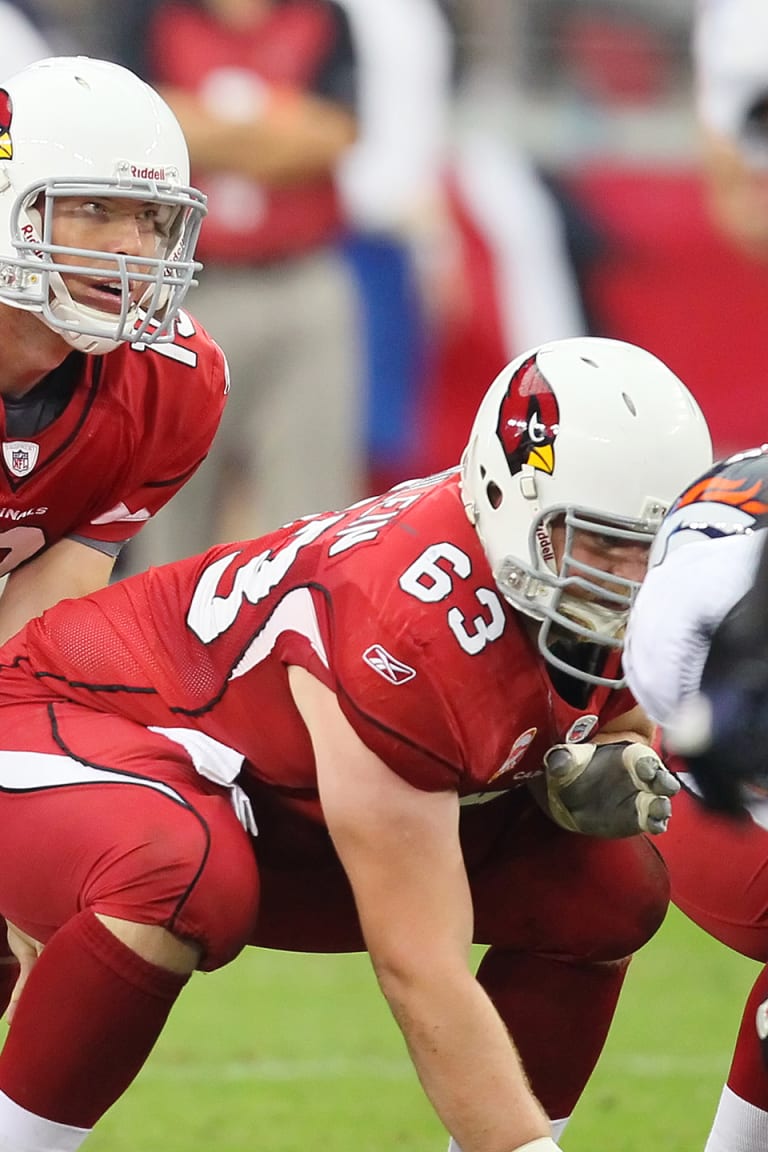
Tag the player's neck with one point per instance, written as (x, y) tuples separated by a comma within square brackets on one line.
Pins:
[(36, 351)]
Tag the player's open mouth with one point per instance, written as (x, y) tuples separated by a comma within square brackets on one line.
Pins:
[(100, 294)]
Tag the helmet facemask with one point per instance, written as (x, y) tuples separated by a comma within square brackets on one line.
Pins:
[(35, 279), (572, 599)]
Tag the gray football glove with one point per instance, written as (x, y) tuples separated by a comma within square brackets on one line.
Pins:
[(608, 790)]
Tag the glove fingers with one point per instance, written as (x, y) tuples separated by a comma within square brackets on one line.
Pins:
[(653, 812), (566, 762), (666, 783), (559, 761), (648, 772), (645, 766)]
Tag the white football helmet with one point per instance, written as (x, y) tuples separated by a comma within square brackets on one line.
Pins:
[(600, 434), (73, 126)]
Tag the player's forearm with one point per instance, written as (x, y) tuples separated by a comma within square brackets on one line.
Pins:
[(65, 570), (466, 1063)]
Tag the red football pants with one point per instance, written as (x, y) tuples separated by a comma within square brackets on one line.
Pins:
[(718, 870), (84, 825)]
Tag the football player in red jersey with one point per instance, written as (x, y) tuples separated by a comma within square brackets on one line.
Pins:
[(110, 394), (697, 658), (419, 700)]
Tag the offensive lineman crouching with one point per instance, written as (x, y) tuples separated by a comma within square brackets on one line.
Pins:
[(381, 686)]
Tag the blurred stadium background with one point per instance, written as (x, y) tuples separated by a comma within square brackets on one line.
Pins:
[(287, 1052), (598, 95)]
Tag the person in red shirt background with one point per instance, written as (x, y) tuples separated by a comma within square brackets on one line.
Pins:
[(265, 91)]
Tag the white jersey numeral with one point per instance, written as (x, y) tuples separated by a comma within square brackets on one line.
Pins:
[(430, 582), (210, 615), (169, 348)]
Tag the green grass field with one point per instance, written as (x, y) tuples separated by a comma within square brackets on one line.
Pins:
[(287, 1053)]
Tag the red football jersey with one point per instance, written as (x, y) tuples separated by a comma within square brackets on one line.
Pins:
[(139, 422), (391, 603)]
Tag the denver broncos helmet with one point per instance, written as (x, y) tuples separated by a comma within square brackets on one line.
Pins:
[(599, 433), (730, 498)]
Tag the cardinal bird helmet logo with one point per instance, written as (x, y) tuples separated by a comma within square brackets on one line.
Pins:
[(529, 420), (6, 115)]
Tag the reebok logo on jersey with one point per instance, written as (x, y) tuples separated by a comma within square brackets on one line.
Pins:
[(20, 456), (380, 660)]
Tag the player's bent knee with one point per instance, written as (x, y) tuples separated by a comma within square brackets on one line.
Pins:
[(638, 895), (155, 944), (195, 876), (220, 910)]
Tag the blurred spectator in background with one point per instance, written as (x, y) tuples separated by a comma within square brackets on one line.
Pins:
[(667, 273), (108, 31), (731, 54), (458, 250), (21, 41), (393, 190), (504, 280), (265, 92)]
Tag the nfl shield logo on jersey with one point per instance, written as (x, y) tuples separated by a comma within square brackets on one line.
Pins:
[(581, 728), (20, 456)]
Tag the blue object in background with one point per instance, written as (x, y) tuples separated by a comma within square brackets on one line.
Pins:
[(394, 347)]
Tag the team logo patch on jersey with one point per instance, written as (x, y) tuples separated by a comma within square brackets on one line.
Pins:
[(20, 456), (6, 115), (516, 752), (529, 421), (581, 728), (387, 666)]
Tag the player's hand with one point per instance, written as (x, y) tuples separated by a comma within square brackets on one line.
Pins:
[(609, 790), (26, 950)]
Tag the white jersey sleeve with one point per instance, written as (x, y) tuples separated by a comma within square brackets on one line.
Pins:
[(679, 605)]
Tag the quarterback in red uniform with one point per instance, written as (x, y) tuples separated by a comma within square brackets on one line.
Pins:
[(111, 394), (377, 692)]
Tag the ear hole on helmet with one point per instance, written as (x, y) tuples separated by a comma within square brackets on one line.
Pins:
[(494, 494)]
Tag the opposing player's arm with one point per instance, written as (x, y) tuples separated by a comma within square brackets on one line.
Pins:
[(633, 725), (400, 849), (66, 569)]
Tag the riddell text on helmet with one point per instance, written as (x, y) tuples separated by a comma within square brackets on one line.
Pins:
[(147, 173)]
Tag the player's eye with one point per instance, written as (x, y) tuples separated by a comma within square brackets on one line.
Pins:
[(159, 217)]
